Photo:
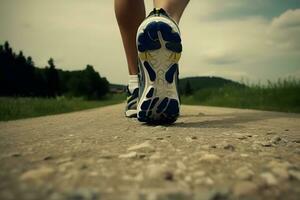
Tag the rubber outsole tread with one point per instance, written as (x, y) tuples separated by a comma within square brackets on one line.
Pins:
[(168, 114), (148, 40), (158, 109), (151, 72), (171, 72), (150, 93)]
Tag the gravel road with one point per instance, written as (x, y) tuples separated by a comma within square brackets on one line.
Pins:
[(210, 153)]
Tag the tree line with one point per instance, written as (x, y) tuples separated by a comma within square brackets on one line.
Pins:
[(19, 76)]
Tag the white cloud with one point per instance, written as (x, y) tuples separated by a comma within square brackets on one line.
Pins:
[(290, 18), (77, 32), (284, 31), (249, 47)]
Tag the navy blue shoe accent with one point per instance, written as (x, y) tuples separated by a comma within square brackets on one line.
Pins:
[(152, 29), (173, 39), (173, 108), (131, 104), (150, 93), (176, 47), (142, 114), (146, 104), (168, 109), (167, 33), (155, 100), (132, 96), (148, 40), (150, 71), (162, 105), (169, 114), (170, 73), (149, 113)]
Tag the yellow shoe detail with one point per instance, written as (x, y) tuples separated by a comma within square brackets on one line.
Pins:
[(143, 55), (175, 57)]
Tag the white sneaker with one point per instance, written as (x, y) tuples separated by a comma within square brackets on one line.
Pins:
[(159, 50), (131, 104)]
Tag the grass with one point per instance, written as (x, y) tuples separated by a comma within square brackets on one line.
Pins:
[(283, 95), (24, 107)]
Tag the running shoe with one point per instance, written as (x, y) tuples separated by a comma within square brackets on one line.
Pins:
[(132, 99), (159, 50)]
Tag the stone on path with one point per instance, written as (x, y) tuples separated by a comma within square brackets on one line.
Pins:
[(132, 154), (244, 173), (143, 147), (37, 174), (209, 157), (295, 174), (269, 178), (244, 188), (158, 171)]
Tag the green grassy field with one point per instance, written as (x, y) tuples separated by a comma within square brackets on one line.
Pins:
[(280, 96), (283, 95), (18, 108)]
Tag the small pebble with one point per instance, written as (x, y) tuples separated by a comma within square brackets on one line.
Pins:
[(188, 139), (281, 172), (157, 171), (199, 173), (143, 147), (269, 178), (37, 174), (244, 173), (294, 174), (129, 155), (169, 176), (208, 157), (204, 181), (229, 147), (155, 156), (48, 158), (271, 133), (15, 155), (242, 137), (244, 155), (266, 144), (244, 188), (275, 140)]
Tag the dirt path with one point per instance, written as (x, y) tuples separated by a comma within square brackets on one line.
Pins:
[(210, 153)]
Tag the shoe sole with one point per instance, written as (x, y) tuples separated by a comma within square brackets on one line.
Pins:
[(131, 113), (159, 50)]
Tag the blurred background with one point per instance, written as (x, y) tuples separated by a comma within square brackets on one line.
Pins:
[(236, 53)]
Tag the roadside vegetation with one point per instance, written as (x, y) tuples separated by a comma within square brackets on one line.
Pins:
[(24, 107), (283, 95), (28, 90)]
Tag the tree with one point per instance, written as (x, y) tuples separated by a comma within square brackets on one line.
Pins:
[(96, 87), (20, 77), (52, 78), (188, 89)]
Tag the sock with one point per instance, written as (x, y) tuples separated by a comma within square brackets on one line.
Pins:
[(133, 83)]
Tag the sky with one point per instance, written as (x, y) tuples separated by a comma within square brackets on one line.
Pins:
[(252, 40)]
